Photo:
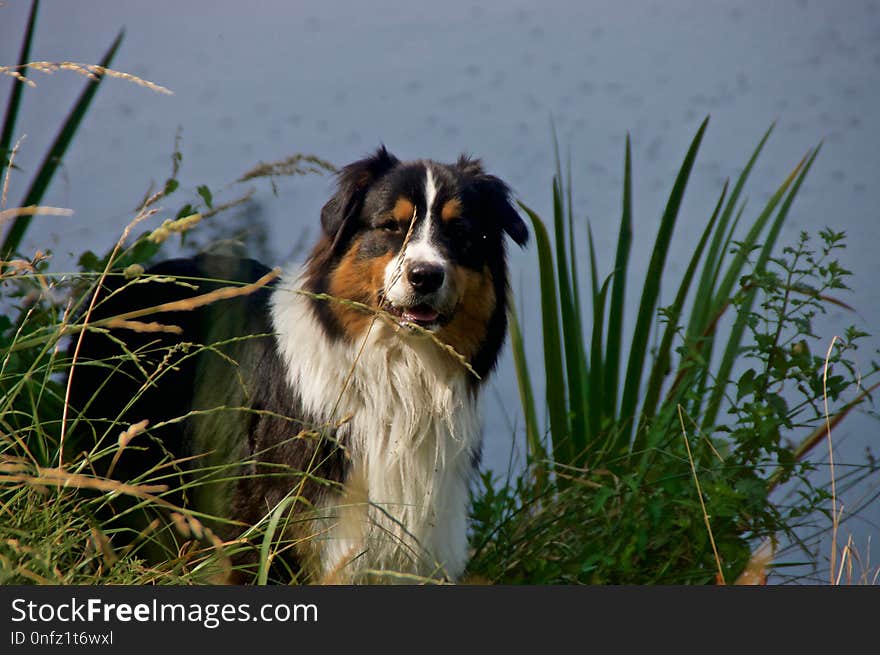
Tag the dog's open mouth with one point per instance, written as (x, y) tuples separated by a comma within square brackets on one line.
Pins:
[(422, 315)]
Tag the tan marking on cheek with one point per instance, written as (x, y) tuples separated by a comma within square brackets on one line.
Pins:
[(466, 332), (359, 280), (451, 209), (403, 209)]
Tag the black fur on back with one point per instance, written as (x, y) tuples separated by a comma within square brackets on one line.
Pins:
[(225, 358)]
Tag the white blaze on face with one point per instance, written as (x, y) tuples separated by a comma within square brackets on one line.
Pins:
[(419, 250), (430, 191)]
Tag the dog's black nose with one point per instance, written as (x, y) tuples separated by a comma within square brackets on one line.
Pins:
[(425, 277)]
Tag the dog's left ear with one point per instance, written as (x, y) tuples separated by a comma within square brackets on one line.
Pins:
[(506, 214), (494, 196)]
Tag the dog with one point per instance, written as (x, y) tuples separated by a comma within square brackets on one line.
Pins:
[(346, 391)]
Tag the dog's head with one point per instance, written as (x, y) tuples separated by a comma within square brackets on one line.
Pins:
[(423, 242)]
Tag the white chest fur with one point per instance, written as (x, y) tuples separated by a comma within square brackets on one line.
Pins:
[(412, 433)]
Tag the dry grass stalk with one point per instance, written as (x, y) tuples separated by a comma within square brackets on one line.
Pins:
[(12, 465), (9, 164), (292, 165), (132, 271), (169, 227), (19, 266), (140, 326), (180, 524), (124, 438), (835, 517), (134, 430), (229, 205), (102, 545), (33, 210), (188, 525), (850, 558), (189, 304), (224, 575), (57, 477), (687, 445), (91, 71)]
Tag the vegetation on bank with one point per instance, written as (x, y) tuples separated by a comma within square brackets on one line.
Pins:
[(660, 457), (659, 460)]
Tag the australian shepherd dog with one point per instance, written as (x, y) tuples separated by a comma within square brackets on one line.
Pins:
[(346, 390)]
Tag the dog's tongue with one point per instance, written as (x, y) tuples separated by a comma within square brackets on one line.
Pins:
[(420, 314)]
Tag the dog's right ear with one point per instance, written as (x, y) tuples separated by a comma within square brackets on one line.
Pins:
[(352, 184)]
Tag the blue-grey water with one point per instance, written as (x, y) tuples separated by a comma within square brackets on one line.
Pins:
[(262, 81)]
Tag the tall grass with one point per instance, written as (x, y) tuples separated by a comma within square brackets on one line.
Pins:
[(642, 446), (68, 513), (71, 513)]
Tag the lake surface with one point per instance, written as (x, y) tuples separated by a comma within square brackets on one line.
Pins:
[(436, 79)]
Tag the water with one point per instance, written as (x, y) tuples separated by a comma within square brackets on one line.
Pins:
[(436, 79)]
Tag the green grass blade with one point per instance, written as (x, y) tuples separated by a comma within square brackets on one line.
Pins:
[(527, 397), (736, 334), (662, 359), (14, 103), (553, 368), (594, 273), (572, 335), (595, 376), (651, 291), (269, 535), (702, 344), (618, 291), (718, 247), (56, 153), (575, 279), (734, 271), (597, 389), (557, 160), (575, 286)]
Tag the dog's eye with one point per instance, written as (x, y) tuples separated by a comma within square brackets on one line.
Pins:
[(460, 230), (389, 226)]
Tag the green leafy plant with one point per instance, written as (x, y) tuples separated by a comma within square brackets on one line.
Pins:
[(658, 464)]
